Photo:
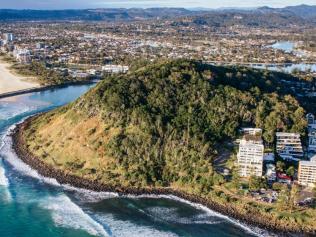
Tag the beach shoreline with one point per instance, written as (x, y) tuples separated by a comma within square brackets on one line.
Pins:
[(11, 82), (250, 219)]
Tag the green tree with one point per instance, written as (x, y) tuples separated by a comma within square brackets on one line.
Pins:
[(283, 198), (290, 171), (236, 178), (256, 183), (294, 195), (280, 166)]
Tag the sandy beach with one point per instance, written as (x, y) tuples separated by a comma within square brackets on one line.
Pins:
[(10, 82)]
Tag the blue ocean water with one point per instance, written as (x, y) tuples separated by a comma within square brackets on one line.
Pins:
[(34, 206)]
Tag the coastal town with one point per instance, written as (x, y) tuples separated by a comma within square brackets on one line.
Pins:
[(84, 50), (159, 121), (81, 53)]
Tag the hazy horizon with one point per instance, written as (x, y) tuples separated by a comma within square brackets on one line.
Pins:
[(83, 4)]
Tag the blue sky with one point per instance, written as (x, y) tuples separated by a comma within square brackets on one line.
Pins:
[(63, 4)]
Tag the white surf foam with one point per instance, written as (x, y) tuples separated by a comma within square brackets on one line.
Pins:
[(67, 214), (170, 215), (10, 156), (120, 228), (255, 231), (7, 152), (3, 179), (88, 195), (5, 194)]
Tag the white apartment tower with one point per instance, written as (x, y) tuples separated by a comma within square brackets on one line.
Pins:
[(289, 146), (307, 173), (250, 156)]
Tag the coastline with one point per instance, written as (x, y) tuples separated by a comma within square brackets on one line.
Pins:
[(13, 84), (252, 219), (10, 81)]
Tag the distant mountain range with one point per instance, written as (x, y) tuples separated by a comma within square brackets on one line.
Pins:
[(304, 11), (294, 14), (116, 14)]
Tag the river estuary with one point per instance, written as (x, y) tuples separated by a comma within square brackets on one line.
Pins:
[(34, 206)]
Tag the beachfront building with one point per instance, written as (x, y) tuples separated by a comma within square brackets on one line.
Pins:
[(22, 55), (250, 156), (307, 173), (289, 146)]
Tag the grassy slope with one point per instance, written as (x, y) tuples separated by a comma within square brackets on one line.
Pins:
[(76, 139)]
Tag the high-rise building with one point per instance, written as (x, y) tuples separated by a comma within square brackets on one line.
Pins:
[(307, 173), (8, 37), (250, 156), (312, 140), (289, 146), (310, 120), (311, 133)]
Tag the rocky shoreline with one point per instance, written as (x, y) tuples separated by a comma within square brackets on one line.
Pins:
[(252, 219)]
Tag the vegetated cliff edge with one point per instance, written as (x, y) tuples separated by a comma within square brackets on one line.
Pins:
[(155, 129)]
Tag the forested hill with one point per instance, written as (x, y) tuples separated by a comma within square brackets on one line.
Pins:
[(158, 125)]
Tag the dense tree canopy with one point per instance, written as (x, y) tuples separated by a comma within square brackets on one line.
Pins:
[(171, 115)]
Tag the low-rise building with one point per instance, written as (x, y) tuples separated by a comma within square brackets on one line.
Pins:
[(115, 69), (283, 178), (40, 45), (289, 146), (307, 173), (250, 156), (252, 131)]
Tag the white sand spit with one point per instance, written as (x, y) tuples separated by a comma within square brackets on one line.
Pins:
[(9, 82)]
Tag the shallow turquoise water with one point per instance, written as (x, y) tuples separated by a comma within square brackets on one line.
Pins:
[(33, 206)]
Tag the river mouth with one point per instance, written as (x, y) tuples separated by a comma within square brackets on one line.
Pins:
[(36, 205)]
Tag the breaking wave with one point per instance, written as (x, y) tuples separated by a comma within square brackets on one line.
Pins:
[(3, 179), (66, 213), (89, 196), (7, 152), (208, 212), (170, 215), (121, 228)]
